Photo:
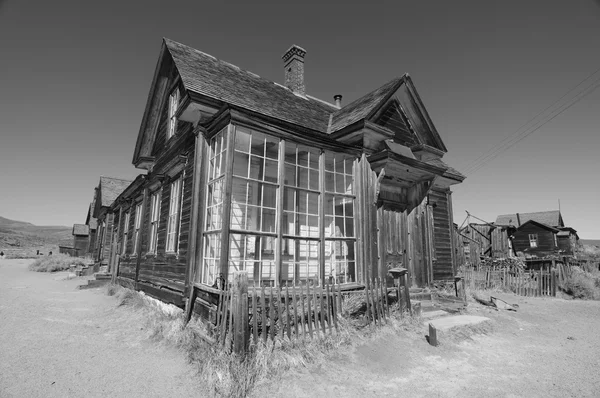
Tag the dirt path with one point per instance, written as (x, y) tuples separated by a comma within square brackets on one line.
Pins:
[(56, 341), (549, 348)]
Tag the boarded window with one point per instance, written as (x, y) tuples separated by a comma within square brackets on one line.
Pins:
[(154, 217), (174, 212)]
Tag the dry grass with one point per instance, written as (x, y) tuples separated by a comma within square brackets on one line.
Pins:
[(226, 374), (55, 262)]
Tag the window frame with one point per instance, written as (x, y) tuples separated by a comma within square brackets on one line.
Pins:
[(174, 217), (533, 241), (173, 105), (217, 236), (155, 207), (126, 220), (137, 226)]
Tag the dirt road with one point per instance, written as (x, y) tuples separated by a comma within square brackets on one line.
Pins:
[(549, 348), (56, 341)]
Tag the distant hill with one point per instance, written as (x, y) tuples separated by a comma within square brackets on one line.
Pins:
[(590, 242), (20, 234)]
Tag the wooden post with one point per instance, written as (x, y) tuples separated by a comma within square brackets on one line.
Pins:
[(407, 293), (553, 282), (240, 307)]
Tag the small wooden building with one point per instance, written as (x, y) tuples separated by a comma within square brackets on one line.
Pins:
[(92, 224), (535, 239), (106, 192), (568, 241), (478, 241), (81, 237), (247, 174)]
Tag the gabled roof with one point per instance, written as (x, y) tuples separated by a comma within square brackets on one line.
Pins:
[(81, 229), (364, 106), (552, 218), (109, 188), (539, 224), (204, 74)]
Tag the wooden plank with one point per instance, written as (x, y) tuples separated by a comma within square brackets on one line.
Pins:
[(264, 314), (339, 307), (240, 307), (254, 317), (288, 325), (335, 307), (280, 313), (432, 335), (329, 313), (271, 314), (295, 304), (310, 314), (322, 311), (230, 328)]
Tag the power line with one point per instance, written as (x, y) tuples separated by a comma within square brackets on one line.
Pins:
[(578, 98), (481, 159)]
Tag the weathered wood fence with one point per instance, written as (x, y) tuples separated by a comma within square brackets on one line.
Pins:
[(534, 283), (246, 315)]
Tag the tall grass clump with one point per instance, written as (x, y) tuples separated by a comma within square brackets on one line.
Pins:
[(223, 373), (582, 284), (55, 262)]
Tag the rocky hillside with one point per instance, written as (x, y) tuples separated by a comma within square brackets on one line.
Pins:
[(19, 234)]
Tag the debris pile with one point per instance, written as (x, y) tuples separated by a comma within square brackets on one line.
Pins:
[(498, 264)]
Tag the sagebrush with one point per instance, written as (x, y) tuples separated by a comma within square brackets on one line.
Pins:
[(55, 262)]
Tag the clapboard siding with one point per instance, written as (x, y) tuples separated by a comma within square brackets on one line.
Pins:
[(545, 240), (443, 268)]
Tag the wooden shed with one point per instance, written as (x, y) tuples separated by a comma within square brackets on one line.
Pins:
[(247, 174), (81, 236)]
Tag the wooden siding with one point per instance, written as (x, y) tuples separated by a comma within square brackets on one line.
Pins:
[(565, 244), (443, 267), (476, 240), (80, 243), (545, 241)]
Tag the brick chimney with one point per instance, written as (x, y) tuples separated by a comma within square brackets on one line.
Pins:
[(293, 60)]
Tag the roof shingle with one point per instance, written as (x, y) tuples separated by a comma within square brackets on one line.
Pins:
[(551, 218), (206, 75), (81, 229), (110, 188)]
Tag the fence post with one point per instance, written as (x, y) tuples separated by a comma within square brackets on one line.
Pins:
[(553, 282), (240, 307)]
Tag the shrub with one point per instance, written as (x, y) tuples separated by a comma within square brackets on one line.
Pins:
[(55, 262), (583, 285)]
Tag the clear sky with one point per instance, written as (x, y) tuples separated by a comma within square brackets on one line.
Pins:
[(75, 76)]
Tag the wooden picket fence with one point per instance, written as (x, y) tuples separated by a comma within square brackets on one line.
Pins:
[(246, 315), (523, 283)]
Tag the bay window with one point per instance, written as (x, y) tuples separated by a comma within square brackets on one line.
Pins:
[(291, 216)]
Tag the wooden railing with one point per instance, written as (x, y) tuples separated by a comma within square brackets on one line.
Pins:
[(247, 315)]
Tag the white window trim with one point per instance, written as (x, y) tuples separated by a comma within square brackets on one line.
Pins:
[(174, 216), (173, 105), (155, 200), (137, 227), (125, 232)]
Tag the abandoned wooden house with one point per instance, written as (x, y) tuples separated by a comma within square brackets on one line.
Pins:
[(81, 237), (92, 224), (247, 174), (540, 234), (106, 192), (480, 241)]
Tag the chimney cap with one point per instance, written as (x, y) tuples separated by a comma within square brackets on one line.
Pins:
[(338, 100), (293, 50)]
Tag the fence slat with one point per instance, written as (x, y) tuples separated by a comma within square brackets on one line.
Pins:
[(340, 304), (295, 303), (287, 313), (310, 313), (303, 318), (334, 302), (264, 314), (254, 316), (322, 308), (279, 312), (271, 313), (328, 312)]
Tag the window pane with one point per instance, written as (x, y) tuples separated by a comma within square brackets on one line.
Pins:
[(290, 153), (272, 147), (314, 179), (302, 177), (256, 167), (258, 144), (240, 164), (254, 254), (271, 171), (340, 263), (300, 261), (242, 139), (290, 175)]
